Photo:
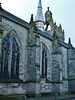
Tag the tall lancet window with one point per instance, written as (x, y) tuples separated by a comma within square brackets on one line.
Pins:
[(44, 62), (10, 58)]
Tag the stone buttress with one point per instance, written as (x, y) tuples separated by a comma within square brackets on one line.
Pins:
[(56, 64), (71, 67), (33, 70)]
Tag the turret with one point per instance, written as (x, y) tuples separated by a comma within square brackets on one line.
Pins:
[(39, 19)]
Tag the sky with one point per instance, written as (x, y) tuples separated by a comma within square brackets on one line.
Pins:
[(63, 11)]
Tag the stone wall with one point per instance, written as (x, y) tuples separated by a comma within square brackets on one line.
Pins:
[(22, 35), (12, 88), (31, 67), (48, 44), (64, 70), (71, 69), (45, 87)]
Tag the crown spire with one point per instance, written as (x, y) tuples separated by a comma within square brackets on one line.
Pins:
[(39, 17), (39, 4)]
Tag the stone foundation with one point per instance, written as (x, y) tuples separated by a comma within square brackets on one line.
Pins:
[(12, 88)]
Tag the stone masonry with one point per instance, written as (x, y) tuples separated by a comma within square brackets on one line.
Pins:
[(46, 64)]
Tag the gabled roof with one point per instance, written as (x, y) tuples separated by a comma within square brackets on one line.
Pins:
[(15, 19)]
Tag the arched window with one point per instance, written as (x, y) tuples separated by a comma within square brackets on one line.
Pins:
[(44, 61), (10, 58)]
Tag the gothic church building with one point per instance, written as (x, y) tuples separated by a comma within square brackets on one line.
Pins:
[(34, 58)]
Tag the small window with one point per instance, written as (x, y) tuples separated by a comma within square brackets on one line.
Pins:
[(44, 62)]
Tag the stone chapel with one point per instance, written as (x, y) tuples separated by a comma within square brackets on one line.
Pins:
[(34, 59)]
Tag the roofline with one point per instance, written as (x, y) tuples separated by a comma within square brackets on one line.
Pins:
[(48, 36), (26, 25), (15, 19), (45, 34)]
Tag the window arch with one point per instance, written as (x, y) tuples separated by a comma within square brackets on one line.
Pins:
[(10, 57)]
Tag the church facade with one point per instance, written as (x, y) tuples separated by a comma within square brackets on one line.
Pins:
[(33, 59)]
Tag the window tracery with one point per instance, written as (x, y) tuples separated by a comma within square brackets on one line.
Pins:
[(10, 58), (44, 62)]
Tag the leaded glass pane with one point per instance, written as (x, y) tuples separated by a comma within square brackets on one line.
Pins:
[(6, 52), (4, 62), (15, 59), (17, 65), (5, 72), (44, 62)]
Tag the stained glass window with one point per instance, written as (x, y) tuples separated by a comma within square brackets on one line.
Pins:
[(44, 62), (10, 47)]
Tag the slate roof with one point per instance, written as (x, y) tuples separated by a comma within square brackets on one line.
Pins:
[(25, 24), (48, 36), (45, 34), (15, 19)]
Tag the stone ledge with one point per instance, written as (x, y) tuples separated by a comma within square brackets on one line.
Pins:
[(71, 79), (54, 82), (17, 81), (32, 81), (11, 81), (71, 59), (68, 79)]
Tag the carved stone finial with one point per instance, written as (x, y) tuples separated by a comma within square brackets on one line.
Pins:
[(48, 8), (69, 43), (0, 13), (31, 17), (0, 7), (60, 28), (63, 35), (60, 25), (63, 32)]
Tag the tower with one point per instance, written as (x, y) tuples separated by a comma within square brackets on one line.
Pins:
[(39, 19)]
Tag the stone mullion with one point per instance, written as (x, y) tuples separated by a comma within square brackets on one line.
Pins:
[(15, 62), (40, 58), (44, 64), (10, 57), (15, 66)]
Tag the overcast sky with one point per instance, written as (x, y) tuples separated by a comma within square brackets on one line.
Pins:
[(63, 12)]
